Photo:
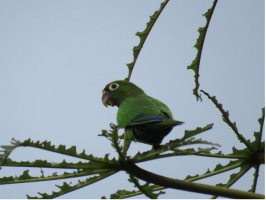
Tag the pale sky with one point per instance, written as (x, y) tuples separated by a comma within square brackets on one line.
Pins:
[(57, 56)]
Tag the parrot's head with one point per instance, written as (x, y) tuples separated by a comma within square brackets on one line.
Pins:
[(116, 92)]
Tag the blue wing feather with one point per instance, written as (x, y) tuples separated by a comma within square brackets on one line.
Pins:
[(147, 118)]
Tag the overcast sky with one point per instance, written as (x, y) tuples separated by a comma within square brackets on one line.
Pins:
[(57, 56)]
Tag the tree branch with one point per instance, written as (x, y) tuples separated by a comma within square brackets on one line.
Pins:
[(188, 186)]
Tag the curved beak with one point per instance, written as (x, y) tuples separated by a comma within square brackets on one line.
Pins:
[(105, 98)]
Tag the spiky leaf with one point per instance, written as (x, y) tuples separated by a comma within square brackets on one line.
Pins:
[(143, 36), (199, 45)]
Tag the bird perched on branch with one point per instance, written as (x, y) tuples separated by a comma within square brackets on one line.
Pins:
[(145, 119)]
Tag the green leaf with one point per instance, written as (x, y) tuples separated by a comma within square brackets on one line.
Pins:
[(254, 158), (145, 189), (46, 145), (7, 150), (143, 36), (121, 194), (234, 177), (225, 117), (257, 135), (196, 131), (217, 170), (63, 164), (115, 143), (255, 175), (65, 188), (199, 45), (25, 177), (172, 144)]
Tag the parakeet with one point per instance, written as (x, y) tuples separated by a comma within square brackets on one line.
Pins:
[(145, 119)]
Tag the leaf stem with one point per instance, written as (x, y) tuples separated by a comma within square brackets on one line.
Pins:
[(70, 175), (238, 176), (83, 156), (79, 185), (226, 118), (139, 186), (143, 36), (256, 174), (261, 127), (61, 165), (199, 45), (151, 156), (218, 171), (114, 140)]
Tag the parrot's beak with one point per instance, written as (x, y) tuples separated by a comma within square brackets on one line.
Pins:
[(105, 98)]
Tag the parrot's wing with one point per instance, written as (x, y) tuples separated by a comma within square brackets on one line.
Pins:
[(144, 109), (147, 118), (162, 107)]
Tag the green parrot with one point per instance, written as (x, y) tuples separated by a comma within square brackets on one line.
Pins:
[(145, 119)]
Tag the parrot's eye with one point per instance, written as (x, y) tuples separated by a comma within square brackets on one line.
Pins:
[(113, 86)]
